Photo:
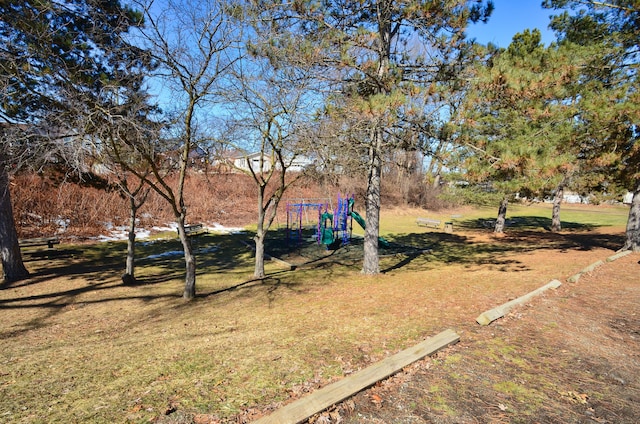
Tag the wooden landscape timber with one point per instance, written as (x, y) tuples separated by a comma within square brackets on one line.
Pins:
[(618, 255), (283, 264), (321, 399), (491, 315), (575, 277)]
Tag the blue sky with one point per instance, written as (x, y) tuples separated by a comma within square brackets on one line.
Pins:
[(510, 17)]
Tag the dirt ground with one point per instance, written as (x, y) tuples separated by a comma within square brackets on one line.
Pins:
[(571, 355)]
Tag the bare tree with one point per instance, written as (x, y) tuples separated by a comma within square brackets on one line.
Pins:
[(192, 43), (270, 105)]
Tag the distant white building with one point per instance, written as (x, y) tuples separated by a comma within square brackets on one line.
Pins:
[(300, 163), (252, 161), (570, 197), (243, 161)]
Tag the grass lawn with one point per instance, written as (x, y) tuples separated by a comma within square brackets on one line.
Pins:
[(76, 345)]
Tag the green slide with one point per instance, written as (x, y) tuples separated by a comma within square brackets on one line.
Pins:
[(360, 220), (326, 235)]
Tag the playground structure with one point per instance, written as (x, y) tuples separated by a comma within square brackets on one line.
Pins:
[(337, 226), (334, 225), (298, 213), (331, 224)]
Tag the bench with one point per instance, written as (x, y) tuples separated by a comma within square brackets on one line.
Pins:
[(427, 222), (194, 229), (40, 241)]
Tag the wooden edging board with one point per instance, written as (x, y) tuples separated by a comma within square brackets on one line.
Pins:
[(491, 315), (590, 268), (321, 399), (618, 255), (575, 277)]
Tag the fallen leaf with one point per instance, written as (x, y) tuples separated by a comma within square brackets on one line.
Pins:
[(376, 399), (576, 397)]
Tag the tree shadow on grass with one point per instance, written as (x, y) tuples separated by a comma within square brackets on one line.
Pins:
[(29, 256), (524, 235), (49, 304), (565, 240), (444, 248), (523, 223), (98, 267), (97, 262), (413, 251), (270, 285)]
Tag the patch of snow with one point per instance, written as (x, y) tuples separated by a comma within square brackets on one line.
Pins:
[(172, 226), (62, 224), (165, 254), (173, 253), (209, 249), (122, 233), (217, 228), (143, 234)]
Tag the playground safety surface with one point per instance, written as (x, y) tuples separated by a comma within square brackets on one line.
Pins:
[(307, 250)]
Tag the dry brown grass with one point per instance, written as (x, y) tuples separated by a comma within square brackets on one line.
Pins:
[(569, 356), (78, 346)]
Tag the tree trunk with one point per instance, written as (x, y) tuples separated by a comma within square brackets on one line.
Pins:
[(371, 261), (502, 215), (556, 224), (268, 209), (190, 262), (129, 276), (136, 198), (259, 266), (12, 265), (258, 270), (633, 223), (436, 181)]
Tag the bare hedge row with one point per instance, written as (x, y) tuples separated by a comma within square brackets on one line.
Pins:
[(47, 205)]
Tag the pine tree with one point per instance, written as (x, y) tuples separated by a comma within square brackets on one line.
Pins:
[(610, 94), (55, 59), (378, 58), (518, 125)]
